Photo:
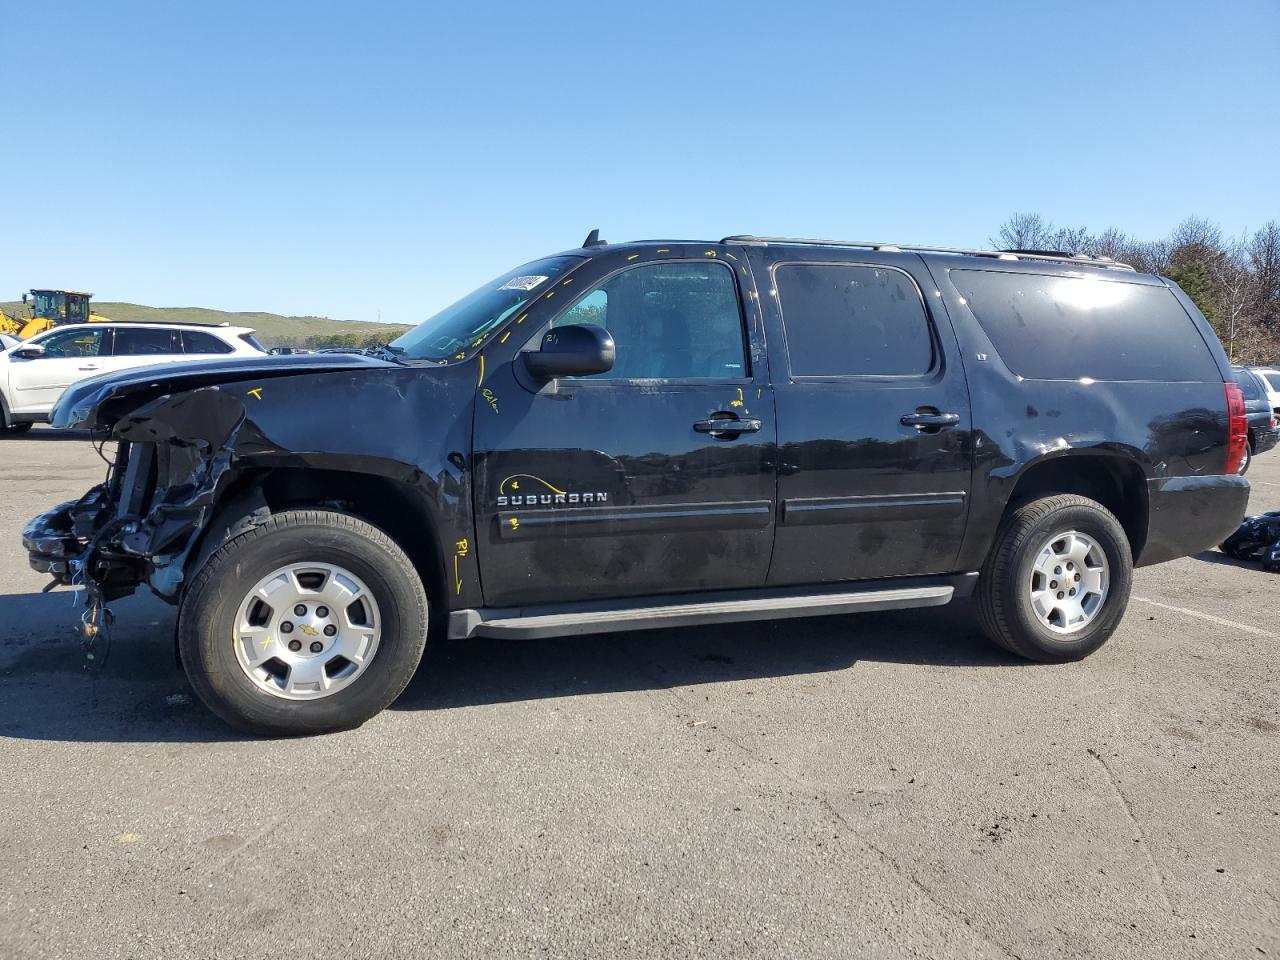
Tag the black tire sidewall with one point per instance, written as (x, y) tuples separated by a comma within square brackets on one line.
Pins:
[(1110, 536), (209, 610)]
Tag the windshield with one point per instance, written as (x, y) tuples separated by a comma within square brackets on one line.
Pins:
[(458, 327)]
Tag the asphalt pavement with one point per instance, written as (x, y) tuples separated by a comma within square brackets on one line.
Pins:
[(887, 785)]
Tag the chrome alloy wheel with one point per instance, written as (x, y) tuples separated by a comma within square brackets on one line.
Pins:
[(1069, 579), (306, 631)]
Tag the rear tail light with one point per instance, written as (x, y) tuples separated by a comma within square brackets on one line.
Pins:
[(1237, 428)]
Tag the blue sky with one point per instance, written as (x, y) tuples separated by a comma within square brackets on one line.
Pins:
[(345, 159)]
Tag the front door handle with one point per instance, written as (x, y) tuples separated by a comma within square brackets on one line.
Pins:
[(929, 420), (89, 366), (726, 426)]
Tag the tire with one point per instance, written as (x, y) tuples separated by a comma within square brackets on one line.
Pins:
[(1246, 461), (211, 640), (1004, 593), (15, 429)]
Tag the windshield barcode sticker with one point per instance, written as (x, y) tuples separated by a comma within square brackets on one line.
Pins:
[(522, 283)]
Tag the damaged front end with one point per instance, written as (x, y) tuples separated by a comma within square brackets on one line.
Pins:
[(142, 523)]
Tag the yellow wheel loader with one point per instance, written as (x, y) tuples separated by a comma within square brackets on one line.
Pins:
[(47, 309)]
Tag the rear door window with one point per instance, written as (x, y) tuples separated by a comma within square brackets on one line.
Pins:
[(851, 320), (143, 342), (1051, 327)]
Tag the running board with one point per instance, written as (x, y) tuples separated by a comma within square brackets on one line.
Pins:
[(533, 622)]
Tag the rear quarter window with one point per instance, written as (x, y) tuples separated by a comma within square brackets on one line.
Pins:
[(1052, 327)]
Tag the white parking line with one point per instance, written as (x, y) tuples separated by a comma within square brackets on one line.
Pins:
[(1257, 631)]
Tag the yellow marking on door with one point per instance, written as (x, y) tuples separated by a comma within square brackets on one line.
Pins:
[(480, 380), (503, 338), (514, 480), (739, 401), (523, 317), (632, 257), (256, 392), (515, 523)]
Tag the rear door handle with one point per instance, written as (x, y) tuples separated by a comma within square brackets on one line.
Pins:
[(726, 426), (929, 419), (91, 366)]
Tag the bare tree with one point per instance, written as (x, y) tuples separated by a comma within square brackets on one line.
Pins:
[(1023, 231)]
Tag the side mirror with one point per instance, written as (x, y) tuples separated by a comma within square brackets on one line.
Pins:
[(29, 351), (572, 351)]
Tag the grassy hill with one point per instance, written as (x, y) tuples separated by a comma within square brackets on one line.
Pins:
[(272, 328)]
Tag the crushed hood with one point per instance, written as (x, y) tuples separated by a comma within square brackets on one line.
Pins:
[(85, 403)]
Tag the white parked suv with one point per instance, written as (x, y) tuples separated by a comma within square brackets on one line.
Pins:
[(33, 373), (1271, 377)]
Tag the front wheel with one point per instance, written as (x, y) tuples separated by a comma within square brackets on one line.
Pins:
[(310, 623), (17, 428), (1056, 583)]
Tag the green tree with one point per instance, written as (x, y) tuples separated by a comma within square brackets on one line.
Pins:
[(1197, 279)]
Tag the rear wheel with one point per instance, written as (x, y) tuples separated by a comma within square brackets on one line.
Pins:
[(16, 428), (313, 622), (1246, 459), (1056, 583)]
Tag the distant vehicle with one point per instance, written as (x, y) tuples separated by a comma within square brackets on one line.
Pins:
[(48, 309), (1264, 431), (663, 434), (1270, 377), (35, 372)]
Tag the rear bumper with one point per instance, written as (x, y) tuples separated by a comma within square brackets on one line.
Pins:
[(1265, 438), (1190, 514)]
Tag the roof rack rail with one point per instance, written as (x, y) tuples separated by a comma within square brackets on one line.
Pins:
[(1055, 255)]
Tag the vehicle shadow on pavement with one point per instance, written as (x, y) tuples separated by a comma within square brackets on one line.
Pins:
[(139, 693), (48, 690), (481, 671), (1215, 556)]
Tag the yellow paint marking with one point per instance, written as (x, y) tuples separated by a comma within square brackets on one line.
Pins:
[(457, 580), (460, 355), (461, 549), (514, 480), (663, 250), (567, 282), (503, 338), (256, 392), (739, 401), (732, 257), (709, 253), (128, 838), (523, 317), (515, 523), (550, 294), (477, 341), (480, 380), (633, 256)]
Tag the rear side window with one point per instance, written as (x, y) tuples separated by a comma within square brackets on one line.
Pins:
[(1273, 379), (1249, 385), (844, 320), (1049, 327), (252, 341), (142, 342), (193, 341)]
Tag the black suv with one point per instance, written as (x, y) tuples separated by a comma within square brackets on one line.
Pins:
[(1263, 432), (655, 434)]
